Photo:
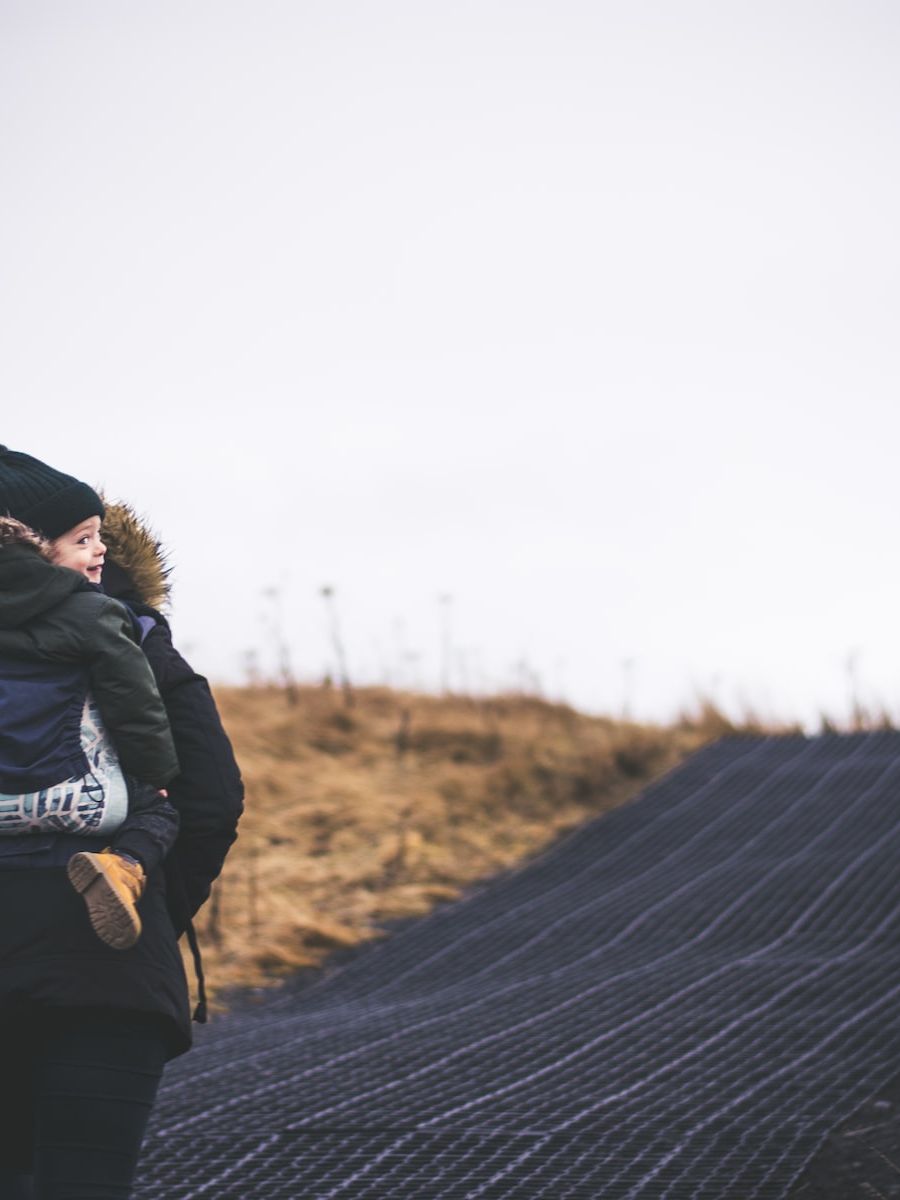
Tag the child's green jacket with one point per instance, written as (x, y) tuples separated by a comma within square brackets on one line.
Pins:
[(61, 638)]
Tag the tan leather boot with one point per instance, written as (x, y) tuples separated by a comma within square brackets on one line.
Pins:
[(111, 887)]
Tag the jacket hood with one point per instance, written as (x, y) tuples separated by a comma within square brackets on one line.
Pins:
[(29, 583), (136, 563)]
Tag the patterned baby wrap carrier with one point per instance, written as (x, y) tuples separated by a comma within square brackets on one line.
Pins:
[(95, 803)]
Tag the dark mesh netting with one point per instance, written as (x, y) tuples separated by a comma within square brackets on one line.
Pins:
[(680, 1000)]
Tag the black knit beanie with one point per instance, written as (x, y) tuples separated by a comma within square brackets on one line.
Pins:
[(46, 500)]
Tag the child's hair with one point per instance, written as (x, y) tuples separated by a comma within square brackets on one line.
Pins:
[(16, 533)]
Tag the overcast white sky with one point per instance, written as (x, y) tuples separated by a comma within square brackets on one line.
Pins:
[(582, 313)]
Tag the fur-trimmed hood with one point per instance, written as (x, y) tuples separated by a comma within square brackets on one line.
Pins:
[(136, 562)]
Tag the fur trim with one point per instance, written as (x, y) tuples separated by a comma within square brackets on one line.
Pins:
[(15, 533), (132, 545)]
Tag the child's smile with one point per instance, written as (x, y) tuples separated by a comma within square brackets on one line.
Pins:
[(80, 549)]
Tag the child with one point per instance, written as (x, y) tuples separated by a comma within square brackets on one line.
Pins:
[(70, 669)]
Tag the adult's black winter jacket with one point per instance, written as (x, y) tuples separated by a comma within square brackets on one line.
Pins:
[(208, 792)]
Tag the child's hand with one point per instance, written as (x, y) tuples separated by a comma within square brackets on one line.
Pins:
[(164, 793)]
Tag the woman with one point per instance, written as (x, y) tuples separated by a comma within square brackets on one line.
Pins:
[(86, 1029)]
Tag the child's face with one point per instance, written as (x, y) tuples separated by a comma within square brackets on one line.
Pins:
[(80, 549)]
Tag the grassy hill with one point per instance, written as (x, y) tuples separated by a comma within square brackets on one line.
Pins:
[(364, 813)]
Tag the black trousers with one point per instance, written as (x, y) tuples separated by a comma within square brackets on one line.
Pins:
[(76, 1090)]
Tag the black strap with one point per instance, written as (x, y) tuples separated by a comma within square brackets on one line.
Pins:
[(200, 1012)]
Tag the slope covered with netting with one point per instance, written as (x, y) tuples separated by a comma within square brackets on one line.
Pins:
[(680, 1000)]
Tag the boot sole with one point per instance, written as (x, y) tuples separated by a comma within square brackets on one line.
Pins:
[(114, 922)]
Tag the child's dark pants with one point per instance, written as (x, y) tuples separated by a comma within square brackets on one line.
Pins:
[(76, 1090)]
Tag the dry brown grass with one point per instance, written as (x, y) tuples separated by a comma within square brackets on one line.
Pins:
[(357, 816)]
